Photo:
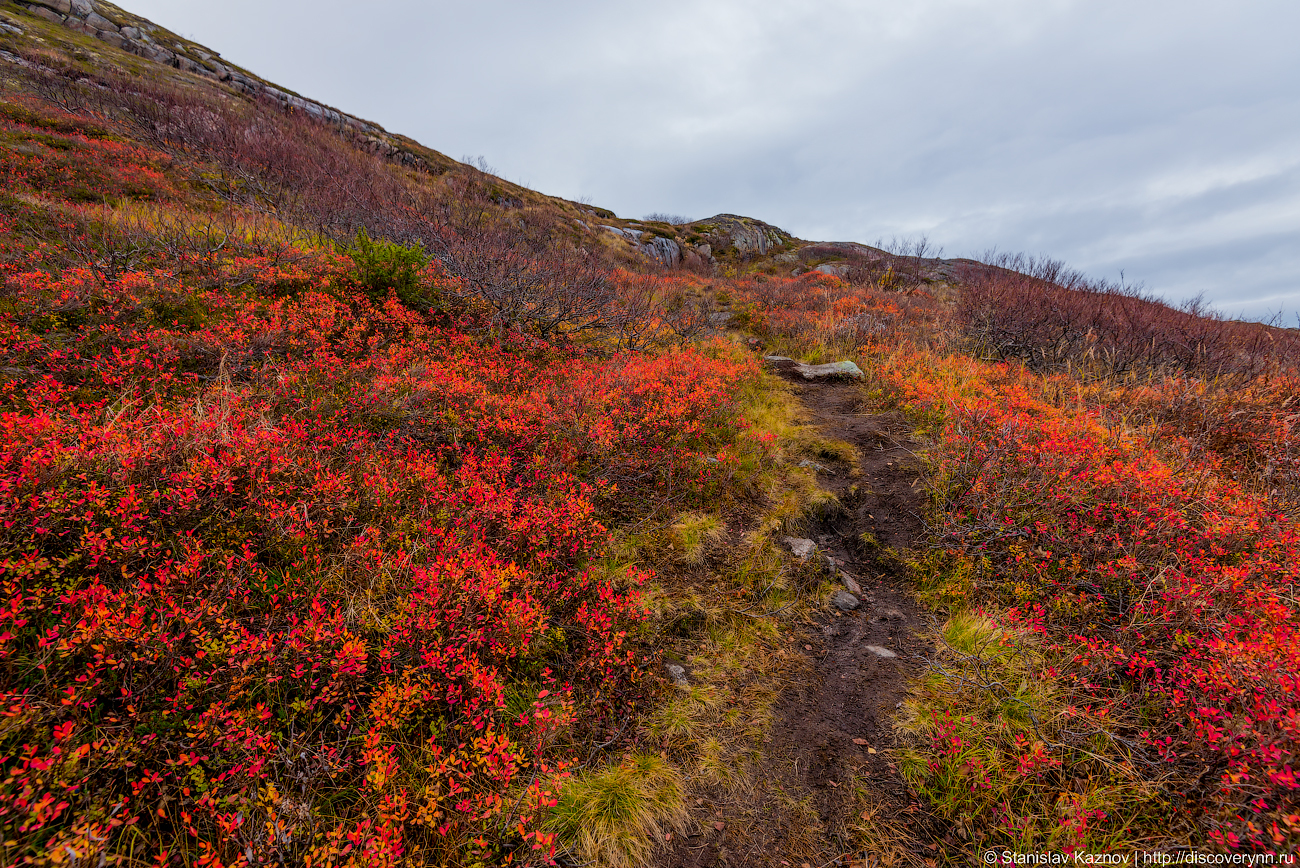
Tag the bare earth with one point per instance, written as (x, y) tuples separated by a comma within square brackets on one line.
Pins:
[(834, 726)]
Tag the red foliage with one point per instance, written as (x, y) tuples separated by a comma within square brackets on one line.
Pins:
[(1166, 591), (289, 574)]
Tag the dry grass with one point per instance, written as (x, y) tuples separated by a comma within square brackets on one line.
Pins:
[(614, 817)]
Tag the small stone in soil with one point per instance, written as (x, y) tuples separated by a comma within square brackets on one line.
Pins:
[(851, 584), (880, 652), (844, 601), (800, 548)]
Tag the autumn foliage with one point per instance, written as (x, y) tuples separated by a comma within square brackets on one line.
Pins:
[(295, 570), (1115, 541), (310, 464)]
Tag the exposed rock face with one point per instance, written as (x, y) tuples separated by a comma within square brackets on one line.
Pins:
[(130, 33), (99, 22), (665, 251), (745, 235)]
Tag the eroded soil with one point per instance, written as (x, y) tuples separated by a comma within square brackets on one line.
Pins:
[(833, 729)]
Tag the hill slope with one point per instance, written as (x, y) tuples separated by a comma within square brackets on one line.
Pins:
[(358, 507)]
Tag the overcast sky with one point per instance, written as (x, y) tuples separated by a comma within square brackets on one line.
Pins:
[(1156, 138)]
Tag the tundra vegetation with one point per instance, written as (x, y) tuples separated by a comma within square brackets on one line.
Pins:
[(350, 508)]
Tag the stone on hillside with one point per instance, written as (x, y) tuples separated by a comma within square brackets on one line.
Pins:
[(830, 371), (114, 39), (833, 270), (844, 601), (158, 54), (722, 318), (99, 22), (48, 14), (880, 652), (745, 235), (83, 7), (63, 6), (801, 548)]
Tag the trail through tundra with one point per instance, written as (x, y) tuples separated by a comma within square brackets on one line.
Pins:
[(829, 783)]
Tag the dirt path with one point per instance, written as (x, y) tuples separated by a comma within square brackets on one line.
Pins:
[(835, 727)]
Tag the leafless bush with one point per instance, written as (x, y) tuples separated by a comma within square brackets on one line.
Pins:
[(1049, 316), (671, 219)]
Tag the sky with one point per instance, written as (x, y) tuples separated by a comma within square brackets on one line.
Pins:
[(1152, 140)]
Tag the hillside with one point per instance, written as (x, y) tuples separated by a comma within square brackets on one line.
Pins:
[(359, 507)]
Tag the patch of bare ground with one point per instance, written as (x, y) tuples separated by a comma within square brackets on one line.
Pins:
[(828, 792)]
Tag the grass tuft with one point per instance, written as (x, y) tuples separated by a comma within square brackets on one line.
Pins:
[(615, 817), (694, 532)]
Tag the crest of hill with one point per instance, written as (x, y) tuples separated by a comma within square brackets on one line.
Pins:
[(99, 42), (90, 40), (92, 37)]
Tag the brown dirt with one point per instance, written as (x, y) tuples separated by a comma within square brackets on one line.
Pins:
[(827, 726)]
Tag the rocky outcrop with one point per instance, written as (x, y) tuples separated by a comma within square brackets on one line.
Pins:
[(665, 251), (142, 38), (744, 235)]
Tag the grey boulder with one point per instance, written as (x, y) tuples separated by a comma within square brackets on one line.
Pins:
[(829, 371)]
